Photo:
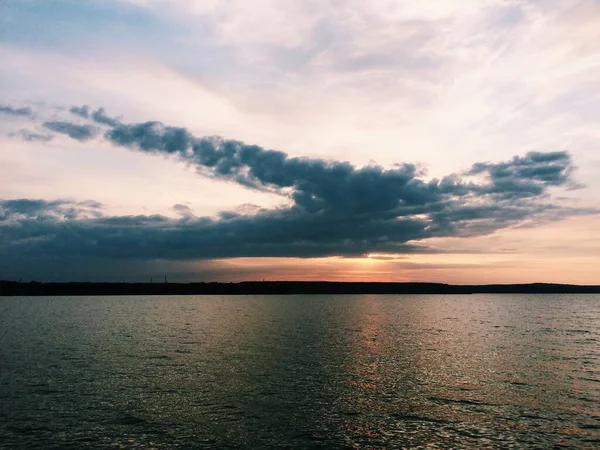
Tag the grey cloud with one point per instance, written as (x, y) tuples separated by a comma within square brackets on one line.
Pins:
[(183, 210), (336, 208), (18, 209), (74, 131), (551, 167), (36, 230), (17, 112), (29, 135), (527, 175), (279, 233), (81, 111), (98, 116), (92, 204), (338, 187), (318, 185), (29, 207)]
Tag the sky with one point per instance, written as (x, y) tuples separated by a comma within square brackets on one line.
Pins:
[(447, 141)]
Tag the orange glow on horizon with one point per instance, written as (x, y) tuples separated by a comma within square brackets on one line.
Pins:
[(548, 253)]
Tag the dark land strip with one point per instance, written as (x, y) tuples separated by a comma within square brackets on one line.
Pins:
[(15, 288)]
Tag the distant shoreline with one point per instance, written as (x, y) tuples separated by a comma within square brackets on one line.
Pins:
[(13, 288)]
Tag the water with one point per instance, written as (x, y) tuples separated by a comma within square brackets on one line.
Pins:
[(480, 371)]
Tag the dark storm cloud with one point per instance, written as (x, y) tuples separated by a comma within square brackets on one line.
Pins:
[(335, 207), (17, 112), (73, 130)]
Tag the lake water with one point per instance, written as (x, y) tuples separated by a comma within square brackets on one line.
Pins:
[(480, 371)]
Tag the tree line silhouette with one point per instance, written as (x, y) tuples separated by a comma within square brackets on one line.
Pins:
[(33, 288)]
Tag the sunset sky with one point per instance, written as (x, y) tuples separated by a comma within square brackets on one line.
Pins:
[(451, 141)]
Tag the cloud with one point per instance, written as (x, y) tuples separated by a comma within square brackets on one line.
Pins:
[(81, 111), (338, 187), (29, 135), (98, 116), (527, 175), (35, 229), (335, 208), (17, 112), (45, 209), (73, 130), (183, 210)]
